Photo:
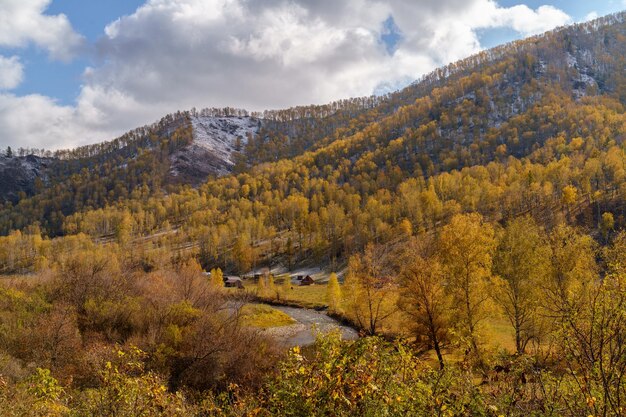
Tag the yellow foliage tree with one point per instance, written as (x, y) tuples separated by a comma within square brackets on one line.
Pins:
[(573, 269), (217, 278), (521, 263), (466, 246), (369, 289), (286, 287), (271, 287), (261, 288), (333, 293), (425, 300)]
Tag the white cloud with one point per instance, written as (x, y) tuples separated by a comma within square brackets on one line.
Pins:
[(530, 22), (590, 16), (24, 21), (11, 72), (38, 121), (177, 54)]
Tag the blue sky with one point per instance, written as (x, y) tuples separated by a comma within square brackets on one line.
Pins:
[(62, 80), (91, 69)]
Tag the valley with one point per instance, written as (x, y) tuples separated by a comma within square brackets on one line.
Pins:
[(459, 244)]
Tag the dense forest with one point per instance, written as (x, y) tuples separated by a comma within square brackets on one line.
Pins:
[(475, 220)]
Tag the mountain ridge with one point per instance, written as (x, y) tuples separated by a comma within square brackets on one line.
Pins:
[(460, 115)]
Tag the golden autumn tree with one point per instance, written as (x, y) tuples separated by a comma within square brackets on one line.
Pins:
[(521, 264), (369, 289), (573, 269), (333, 293), (466, 246), (285, 287), (425, 299), (615, 254), (217, 278), (272, 290), (261, 288)]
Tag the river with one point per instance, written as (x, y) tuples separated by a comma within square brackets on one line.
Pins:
[(308, 323)]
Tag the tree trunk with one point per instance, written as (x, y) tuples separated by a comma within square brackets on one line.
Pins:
[(438, 351)]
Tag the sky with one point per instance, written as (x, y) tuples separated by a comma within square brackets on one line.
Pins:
[(74, 72)]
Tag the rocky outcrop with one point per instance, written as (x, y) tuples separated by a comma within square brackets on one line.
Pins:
[(19, 174)]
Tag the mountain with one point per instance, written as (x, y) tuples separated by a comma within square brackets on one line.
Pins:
[(207, 150), (533, 103)]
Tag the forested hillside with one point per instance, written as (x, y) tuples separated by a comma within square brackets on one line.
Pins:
[(532, 127), (477, 215)]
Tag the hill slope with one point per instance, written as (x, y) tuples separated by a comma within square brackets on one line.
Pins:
[(530, 118)]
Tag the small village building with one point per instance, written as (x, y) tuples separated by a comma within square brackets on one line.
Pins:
[(307, 281), (233, 282)]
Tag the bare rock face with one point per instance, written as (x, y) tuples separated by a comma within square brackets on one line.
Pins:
[(18, 174), (215, 141)]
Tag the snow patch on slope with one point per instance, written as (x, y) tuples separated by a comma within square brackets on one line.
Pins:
[(581, 79), (571, 60), (215, 141), (223, 135)]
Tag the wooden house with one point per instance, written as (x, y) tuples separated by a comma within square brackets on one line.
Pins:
[(233, 282), (307, 281)]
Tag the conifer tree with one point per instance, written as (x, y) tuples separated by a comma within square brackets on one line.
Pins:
[(286, 287), (217, 278), (271, 287), (333, 293), (261, 288)]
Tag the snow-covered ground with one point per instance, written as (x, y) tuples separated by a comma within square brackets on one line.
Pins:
[(215, 139), (221, 135), (583, 79), (571, 60)]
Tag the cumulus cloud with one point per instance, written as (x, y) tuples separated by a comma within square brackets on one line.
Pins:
[(531, 22), (177, 54), (11, 72), (24, 21), (38, 121)]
